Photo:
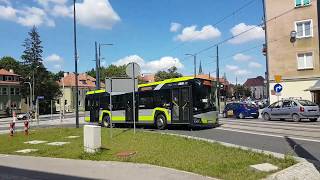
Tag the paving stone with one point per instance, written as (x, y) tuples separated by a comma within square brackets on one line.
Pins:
[(35, 142), (24, 151), (265, 167), (72, 137), (58, 143)]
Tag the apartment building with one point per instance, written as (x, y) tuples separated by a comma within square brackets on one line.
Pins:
[(68, 88), (293, 47), (10, 96), (257, 87)]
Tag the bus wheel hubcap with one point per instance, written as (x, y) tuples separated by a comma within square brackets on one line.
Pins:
[(160, 122)]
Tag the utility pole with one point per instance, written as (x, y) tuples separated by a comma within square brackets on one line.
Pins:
[(218, 80), (97, 66), (194, 63), (266, 46), (76, 62)]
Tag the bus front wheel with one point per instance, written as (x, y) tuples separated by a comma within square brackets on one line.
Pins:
[(105, 121), (161, 121)]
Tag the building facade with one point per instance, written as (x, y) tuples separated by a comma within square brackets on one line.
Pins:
[(10, 96), (257, 87), (293, 47), (67, 86)]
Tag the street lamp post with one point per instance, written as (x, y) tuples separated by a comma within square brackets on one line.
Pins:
[(194, 62), (75, 62), (98, 61), (30, 101)]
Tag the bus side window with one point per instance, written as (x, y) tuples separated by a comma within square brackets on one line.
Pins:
[(162, 98), (146, 100)]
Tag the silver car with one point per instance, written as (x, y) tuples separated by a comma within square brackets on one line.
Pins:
[(295, 109)]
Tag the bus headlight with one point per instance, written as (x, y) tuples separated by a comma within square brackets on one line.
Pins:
[(197, 120)]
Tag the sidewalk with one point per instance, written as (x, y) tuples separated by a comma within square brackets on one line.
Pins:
[(26, 167)]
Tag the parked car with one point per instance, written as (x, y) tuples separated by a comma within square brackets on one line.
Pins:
[(25, 116), (241, 110), (295, 109)]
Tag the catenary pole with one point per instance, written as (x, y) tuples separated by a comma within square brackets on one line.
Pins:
[(97, 65), (218, 80), (266, 46), (76, 62)]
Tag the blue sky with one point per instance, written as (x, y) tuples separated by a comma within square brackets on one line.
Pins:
[(156, 34)]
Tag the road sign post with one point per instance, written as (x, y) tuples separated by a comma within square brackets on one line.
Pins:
[(278, 88), (133, 71)]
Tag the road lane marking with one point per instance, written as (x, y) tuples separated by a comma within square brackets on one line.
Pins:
[(264, 134)]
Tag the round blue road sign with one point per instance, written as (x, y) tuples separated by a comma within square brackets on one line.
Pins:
[(277, 88)]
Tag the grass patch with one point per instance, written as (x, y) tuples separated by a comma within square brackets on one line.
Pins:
[(209, 159)]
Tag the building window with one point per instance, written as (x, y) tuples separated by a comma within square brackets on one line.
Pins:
[(4, 91), (300, 3), (11, 91), (17, 91), (305, 61), (304, 28)]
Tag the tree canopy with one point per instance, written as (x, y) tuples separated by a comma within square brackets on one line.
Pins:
[(170, 73)]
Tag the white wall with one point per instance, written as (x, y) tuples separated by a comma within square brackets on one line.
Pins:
[(293, 89)]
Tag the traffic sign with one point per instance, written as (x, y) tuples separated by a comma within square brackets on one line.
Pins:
[(133, 70), (278, 88), (40, 97), (277, 78)]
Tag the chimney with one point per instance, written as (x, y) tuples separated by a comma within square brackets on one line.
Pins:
[(65, 74), (11, 70)]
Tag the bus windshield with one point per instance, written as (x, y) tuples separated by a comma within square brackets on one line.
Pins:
[(203, 98)]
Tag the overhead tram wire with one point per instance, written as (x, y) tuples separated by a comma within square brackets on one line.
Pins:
[(243, 32), (219, 21)]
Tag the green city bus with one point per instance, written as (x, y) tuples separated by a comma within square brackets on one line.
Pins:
[(177, 101)]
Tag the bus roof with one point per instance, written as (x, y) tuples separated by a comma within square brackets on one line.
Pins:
[(167, 81), (96, 91), (173, 80)]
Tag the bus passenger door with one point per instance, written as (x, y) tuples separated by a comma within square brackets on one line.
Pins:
[(185, 104), (181, 105), (94, 110), (129, 108)]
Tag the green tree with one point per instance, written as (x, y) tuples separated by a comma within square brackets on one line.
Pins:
[(170, 73), (45, 84), (9, 63), (241, 91), (110, 71)]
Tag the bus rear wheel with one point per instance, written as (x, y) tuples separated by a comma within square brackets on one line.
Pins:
[(105, 121), (160, 122)]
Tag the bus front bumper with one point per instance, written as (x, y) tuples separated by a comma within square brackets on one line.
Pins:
[(206, 119)]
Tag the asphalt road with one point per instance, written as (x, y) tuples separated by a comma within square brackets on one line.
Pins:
[(301, 139)]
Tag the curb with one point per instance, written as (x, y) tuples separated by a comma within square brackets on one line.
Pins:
[(302, 170)]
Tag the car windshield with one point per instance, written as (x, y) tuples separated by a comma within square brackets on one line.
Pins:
[(306, 103)]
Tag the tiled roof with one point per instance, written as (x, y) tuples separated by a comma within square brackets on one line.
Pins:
[(258, 81), (7, 73), (206, 76), (84, 80)]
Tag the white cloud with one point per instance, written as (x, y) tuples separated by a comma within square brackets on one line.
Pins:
[(8, 13), (33, 16), (45, 3), (192, 34), (153, 66), (96, 14), (91, 13), (231, 67), (175, 27), (242, 72), (256, 33), (54, 58), (255, 65), (62, 11), (242, 57), (237, 70)]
